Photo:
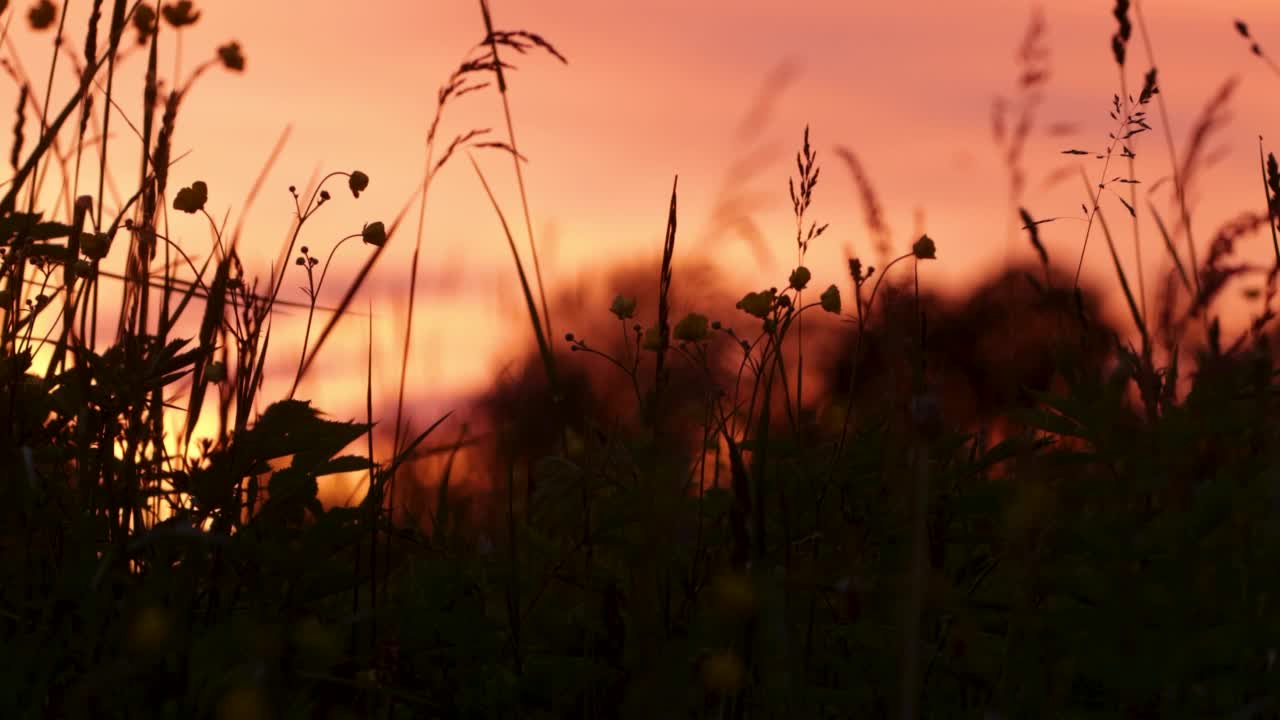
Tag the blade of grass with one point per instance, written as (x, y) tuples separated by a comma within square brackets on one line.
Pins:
[(548, 360)]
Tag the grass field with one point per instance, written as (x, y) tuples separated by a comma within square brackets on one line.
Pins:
[(836, 493)]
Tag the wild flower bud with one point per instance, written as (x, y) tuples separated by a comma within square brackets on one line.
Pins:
[(800, 277), (358, 181), (42, 15), (191, 200), (831, 299), (652, 339), (94, 245), (623, 307), (374, 234), (924, 248), (232, 57), (693, 328), (757, 303), (180, 14)]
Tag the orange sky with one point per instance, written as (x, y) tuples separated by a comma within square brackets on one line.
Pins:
[(654, 89)]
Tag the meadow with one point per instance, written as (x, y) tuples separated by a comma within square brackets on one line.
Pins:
[(835, 493)]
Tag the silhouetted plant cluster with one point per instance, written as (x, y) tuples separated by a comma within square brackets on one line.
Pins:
[(992, 506)]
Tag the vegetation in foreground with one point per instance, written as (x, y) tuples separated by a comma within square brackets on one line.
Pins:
[(1093, 536)]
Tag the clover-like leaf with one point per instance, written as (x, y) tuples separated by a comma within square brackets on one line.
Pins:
[(374, 234), (358, 181), (191, 200)]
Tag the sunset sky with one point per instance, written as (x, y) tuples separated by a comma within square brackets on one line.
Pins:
[(654, 89)]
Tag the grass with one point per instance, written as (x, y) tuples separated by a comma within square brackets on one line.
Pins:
[(1094, 537)]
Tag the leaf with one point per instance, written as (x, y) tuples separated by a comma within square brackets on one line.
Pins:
[(345, 463)]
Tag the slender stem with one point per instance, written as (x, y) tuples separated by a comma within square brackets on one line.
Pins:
[(515, 159), (314, 293), (1178, 180)]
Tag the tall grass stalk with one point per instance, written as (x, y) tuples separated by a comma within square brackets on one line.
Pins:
[(498, 71)]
